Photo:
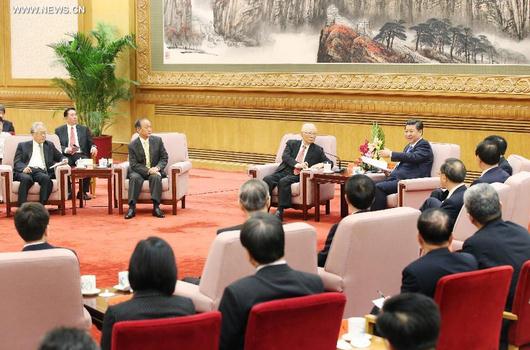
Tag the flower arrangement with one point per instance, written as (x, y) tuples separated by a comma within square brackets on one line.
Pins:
[(371, 149)]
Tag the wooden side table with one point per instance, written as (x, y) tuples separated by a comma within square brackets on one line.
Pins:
[(80, 173)]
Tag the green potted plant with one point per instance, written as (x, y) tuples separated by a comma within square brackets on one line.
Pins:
[(90, 60)]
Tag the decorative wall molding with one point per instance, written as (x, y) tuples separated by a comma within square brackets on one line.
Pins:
[(463, 85), (43, 95)]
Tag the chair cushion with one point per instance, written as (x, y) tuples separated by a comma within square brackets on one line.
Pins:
[(295, 190), (145, 185), (392, 200), (35, 189)]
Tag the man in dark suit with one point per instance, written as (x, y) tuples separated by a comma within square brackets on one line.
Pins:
[(496, 242), (297, 156), (488, 158), (5, 125), (32, 163), (415, 161), (147, 160), (360, 191), (452, 176), (264, 239), (76, 143), (253, 197), (503, 146), (435, 238)]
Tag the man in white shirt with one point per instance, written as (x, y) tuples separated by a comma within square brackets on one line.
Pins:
[(32, 163), (76, 143)]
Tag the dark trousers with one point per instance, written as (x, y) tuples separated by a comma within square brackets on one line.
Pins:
[(42, 177), (135, 185), (283, 179), (72, 158), (382, 190)]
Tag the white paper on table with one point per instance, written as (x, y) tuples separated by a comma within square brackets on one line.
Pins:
[(380, 164), (57, 164)]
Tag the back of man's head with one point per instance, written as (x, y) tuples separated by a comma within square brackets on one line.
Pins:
[(360, 191), (263, 237), (500, 141), (488, 152), (482, 203), (434, 226), (68, 339), (409, 321), (254, 195), (31, 221), (454, 169)]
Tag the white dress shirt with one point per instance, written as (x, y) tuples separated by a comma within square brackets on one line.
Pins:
[(453, 190), (277, 262), (36, 160)]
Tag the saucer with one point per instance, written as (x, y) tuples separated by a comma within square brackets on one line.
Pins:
[(122, 289), (328, 172), (353, 337), (91, 292), (342, 345), (107, 294)]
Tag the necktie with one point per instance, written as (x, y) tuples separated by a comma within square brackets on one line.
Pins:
[(299, 158), (41, 149), (409, 149), (147, 155), (71, 142)]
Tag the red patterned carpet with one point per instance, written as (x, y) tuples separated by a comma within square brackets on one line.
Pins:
[(104, 242)]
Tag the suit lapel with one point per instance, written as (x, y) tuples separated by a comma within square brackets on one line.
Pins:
[(140, 148)]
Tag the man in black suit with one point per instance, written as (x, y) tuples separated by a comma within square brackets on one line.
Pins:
[(76, 143), (5, 125), (452, 176), (297, 156), (360, 191), (147, 160), (409, 321), (435, 238), (264, 239), (488, 158), (31, 222), (32, 163), (253, 197), (503, 146), (415, 161), (496, 242)]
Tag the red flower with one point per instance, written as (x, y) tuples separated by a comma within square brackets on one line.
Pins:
[(364, 147)]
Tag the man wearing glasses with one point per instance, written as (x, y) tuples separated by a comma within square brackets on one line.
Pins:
[(297, 156)]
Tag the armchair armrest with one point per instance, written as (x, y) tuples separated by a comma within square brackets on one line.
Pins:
[(332, 282), (120, 170), (6, 169), (370, 323), (376, 177), (62, 170), (420, 184), (182, 167), (509, 316), (260, 171)]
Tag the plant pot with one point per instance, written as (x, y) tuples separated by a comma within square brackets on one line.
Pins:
[(104, 145)]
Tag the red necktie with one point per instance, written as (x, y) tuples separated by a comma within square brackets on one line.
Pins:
[(299, 158), (72, 137)]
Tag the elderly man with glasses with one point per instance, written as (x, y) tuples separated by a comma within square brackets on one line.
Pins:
[(297, 156)]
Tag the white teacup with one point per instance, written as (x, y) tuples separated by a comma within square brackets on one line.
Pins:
[(88, 283), (356, 325), (327, 167), (103, 162), (123, 279)]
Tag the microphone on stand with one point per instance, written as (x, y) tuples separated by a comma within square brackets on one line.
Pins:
[(340, 168)]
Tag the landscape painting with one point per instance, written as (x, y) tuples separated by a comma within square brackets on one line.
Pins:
[(346, 31)]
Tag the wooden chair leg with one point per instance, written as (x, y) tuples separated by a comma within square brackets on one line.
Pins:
[(8, 209), (327, 207), (183, 202), (174, 207), (304, 211)]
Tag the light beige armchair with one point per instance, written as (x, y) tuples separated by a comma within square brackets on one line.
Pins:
[(518, 163), (10, 186), (174, 186), (227, 262), (40, 290), (302, 194)]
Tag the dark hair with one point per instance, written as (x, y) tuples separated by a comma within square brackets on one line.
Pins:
[(418, 124), (500, 141), (65, 114), (152, 266), (454, 169), (488, 152), (64, 338), (2, 108), (138, 122), (31, 220), (434, 226), (262, 235), (409, 321), (360, 191)]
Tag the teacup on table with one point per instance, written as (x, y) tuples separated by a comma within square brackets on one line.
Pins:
[(88, 285)]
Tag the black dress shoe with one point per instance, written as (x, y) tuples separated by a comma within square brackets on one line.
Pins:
[(158, 213), (86, 196), (131, 213)]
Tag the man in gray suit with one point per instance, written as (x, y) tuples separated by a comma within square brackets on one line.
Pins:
[(147, 161)]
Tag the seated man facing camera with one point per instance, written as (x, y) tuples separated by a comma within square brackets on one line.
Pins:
[(264, 239)]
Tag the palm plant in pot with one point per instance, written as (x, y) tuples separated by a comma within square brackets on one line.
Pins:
[(90, 60)]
